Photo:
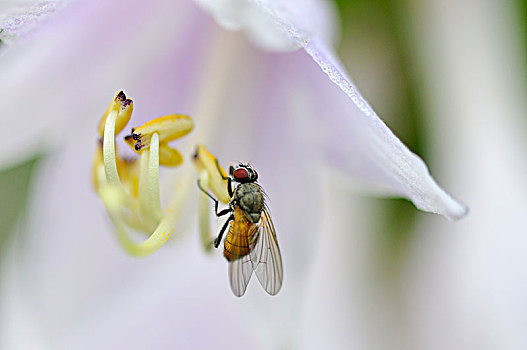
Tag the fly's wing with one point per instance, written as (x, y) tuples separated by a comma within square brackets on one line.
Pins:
[(241, 270), (266, 258)]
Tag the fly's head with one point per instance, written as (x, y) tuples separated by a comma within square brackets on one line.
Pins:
[(243, 173)]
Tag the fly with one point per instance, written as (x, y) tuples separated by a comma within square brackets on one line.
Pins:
[(250, 244)]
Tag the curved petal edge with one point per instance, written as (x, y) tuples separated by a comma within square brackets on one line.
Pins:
[(407, 173)]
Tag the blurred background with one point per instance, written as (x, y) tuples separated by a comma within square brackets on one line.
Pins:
[(449, 78)]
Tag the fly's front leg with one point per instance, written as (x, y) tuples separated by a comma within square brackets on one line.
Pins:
[(223, 212), (229, 180), (216, 203), (217, 241), (219, 169)]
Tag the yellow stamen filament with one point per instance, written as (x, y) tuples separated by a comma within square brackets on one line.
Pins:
[(110, 164), (162, 232), (204, 222), (149, 197), (142, 210)]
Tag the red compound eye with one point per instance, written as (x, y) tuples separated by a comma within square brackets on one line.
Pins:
[(240, 174)]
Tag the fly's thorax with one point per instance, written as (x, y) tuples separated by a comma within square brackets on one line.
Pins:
[(249, 197)]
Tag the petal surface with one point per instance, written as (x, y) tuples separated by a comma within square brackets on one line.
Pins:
[(365, 147), (251, 16), (59, 77), (17, 18)]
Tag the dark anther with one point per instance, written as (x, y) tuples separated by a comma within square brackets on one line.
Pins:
[(126, 103), (120, 96)]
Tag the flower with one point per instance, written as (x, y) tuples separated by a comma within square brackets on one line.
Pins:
[(281, 110)]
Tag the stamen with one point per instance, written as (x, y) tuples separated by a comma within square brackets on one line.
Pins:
[(168, 156), (212, 177), (110, 165), (204, 221), (124, 108), (169, 128), (138, 205), (149, 198), (163, 231), (154, 199), (128, 170), (209, 169)]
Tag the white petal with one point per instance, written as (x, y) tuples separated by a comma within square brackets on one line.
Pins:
[(18, 17), (390, 165), (251, 16)]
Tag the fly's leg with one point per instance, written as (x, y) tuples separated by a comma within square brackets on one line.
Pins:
[(217, 241), (229, 180), (205, 191), (216, 203), (219, 169)]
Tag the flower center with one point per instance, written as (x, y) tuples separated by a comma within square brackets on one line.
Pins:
[(130, 189)]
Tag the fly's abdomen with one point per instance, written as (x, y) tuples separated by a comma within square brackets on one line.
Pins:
[(242, 233)]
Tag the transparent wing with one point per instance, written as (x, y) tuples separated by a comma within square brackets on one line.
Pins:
[(266, 258), (240, 272)]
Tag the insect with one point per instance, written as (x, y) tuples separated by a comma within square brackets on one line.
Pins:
[(250, 244)]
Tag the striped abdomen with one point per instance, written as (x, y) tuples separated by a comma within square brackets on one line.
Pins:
[(241, 234)]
